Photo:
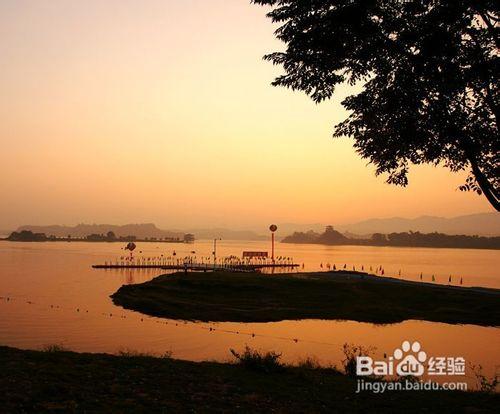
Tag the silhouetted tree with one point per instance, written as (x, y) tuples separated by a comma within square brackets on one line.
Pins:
[(379, 238), (428, 77), (110, 235)]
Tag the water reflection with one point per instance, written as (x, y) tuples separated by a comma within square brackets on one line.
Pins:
[(60, 274)]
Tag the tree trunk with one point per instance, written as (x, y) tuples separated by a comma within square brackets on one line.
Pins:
[(485, 185)]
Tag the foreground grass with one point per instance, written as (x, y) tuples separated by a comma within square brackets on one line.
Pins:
[(252, 297), (62, 381)]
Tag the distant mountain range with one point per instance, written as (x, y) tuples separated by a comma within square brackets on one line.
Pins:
[(483, 224), (227, 234), (332, 237), (141, 231)]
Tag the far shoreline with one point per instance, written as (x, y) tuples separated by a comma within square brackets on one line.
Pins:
[(6, 239), (74, 240), (391, 246)]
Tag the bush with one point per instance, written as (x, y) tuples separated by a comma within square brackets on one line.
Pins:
[(54, 348), (351, 352), (484, 384), (166, 355), (256, 361), (132, 353), (309, 363)]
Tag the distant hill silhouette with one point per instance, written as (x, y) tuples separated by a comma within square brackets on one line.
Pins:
[(483, 224), (227, 234), (395, 239), (141, 231)]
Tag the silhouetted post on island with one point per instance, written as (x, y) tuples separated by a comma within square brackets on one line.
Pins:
[(273, 228), (215, 251)]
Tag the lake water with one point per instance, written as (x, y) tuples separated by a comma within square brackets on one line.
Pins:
[(56, 297)]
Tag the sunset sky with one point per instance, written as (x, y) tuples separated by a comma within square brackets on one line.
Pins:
[(161, 111)]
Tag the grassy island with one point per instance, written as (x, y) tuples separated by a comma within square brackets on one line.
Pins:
[(254, 297), (62, 381)]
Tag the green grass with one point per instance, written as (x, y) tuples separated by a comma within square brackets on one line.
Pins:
[(253, 297), (67, 382)]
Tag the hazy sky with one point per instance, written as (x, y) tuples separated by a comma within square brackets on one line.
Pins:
[(162, 111)]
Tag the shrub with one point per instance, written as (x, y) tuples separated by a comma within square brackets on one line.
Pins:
[(254, 360), (309, 363), (54, 348), (351, 352), (484, 384), (166, 355), (132, 353)]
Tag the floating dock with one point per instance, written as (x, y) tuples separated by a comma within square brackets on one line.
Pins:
[(251, 267)]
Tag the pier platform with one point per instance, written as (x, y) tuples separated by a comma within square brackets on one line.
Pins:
[(251, 267)]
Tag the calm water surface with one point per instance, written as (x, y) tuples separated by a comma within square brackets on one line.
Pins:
[(70, 304)]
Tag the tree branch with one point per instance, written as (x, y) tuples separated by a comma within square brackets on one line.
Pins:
[(484, 184)]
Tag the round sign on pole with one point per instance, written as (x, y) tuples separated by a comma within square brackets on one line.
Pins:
[(273, 228), (130, 246)]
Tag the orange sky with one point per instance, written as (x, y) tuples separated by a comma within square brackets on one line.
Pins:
[(162, 111)]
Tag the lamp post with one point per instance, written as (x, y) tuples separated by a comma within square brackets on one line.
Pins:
[(215, 251), (273, 228)]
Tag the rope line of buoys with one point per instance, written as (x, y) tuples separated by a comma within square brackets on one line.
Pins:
[(151, 319)]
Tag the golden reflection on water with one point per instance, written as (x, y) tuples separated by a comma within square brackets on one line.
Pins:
[(71, 304)]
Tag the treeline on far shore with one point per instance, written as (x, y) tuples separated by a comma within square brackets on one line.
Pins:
[(29, 236), (405, 239)]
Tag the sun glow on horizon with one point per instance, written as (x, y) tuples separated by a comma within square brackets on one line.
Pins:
[(162, 111)]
